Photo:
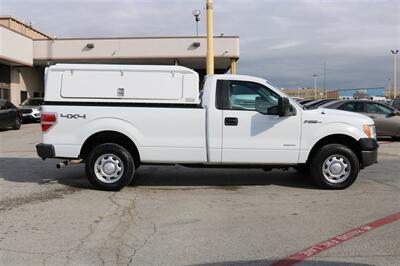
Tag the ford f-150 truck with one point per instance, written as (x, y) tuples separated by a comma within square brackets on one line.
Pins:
[(115, 118)]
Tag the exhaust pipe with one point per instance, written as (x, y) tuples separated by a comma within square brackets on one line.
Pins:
[(64, 163)]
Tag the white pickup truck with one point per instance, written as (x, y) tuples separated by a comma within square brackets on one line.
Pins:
[(115, 118)]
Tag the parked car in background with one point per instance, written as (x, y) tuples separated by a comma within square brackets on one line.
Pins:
[(303, 102), (386, 118), (31, 108), (316, 103), (297, 99), (395, 104), (10, 116)]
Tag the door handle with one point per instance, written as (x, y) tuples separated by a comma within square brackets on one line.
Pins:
[(231, 121)]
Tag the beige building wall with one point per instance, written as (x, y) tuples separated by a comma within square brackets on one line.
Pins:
[(19, 26), (29, 79), (15, 48), (133, 48), (15, 86)]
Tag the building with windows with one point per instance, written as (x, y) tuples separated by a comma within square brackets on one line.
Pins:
[(377, 93), (25, 52)]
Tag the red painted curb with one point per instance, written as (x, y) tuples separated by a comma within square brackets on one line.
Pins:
[(385, 142), (336, 240)]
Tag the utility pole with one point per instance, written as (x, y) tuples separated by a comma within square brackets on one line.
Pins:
[(210, 37), (394, 52), (315, 85)]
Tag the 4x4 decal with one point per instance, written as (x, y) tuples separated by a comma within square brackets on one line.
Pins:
[(73, 116)]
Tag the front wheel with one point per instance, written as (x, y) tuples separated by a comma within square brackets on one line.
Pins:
[(17, 123), (109, 167), (334, 166)]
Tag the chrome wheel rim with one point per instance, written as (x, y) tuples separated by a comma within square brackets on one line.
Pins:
[(109, 168), (336, 168)]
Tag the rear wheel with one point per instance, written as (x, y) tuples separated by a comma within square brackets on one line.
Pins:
[(17, 123), (109, 167), (334, 166)]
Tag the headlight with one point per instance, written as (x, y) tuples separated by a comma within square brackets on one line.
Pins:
[(370, 131)]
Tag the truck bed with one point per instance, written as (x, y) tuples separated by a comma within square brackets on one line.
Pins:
[(162, 133)]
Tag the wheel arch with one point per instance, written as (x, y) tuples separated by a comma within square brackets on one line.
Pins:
[(342, 139), (109, 136)]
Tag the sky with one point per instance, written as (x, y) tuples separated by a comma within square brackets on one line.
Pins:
[(284, 41)]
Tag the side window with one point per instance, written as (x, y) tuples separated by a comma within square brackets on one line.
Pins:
[(347, 107), (243, 95), (8, 105), (378, 109), (352, 107)]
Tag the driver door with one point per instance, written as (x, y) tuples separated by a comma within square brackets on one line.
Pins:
[(250, 137)]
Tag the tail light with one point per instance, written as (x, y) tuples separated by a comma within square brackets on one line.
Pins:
[(48, 120)]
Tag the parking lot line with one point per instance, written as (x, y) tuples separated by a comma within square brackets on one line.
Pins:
[(336, 240)]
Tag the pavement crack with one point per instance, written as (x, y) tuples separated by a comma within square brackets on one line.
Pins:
[(383, 183)]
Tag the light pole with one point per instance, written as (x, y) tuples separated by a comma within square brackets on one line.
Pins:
[(325, 95), (196, 13), (210, 37), (315, 85), (394, 52)]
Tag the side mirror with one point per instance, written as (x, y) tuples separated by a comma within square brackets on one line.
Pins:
[(283, 107)]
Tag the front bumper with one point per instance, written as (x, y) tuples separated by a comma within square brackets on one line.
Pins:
[(45, 151), (369, 151)]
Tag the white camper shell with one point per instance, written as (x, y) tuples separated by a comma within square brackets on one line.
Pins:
[(122, 83)]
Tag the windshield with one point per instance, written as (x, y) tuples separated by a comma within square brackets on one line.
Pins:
[(32, 102)]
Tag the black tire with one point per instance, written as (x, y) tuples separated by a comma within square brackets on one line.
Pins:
[(344, 155), (120, 158), (302, 168), (17, 123)]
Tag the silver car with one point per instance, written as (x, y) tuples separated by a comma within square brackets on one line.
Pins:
[(386, 118), (31, 109)]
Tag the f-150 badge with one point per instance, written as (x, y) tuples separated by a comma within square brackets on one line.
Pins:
[(312, 122)]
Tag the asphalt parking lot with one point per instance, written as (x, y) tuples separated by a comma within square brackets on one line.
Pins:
[(179, 216)]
